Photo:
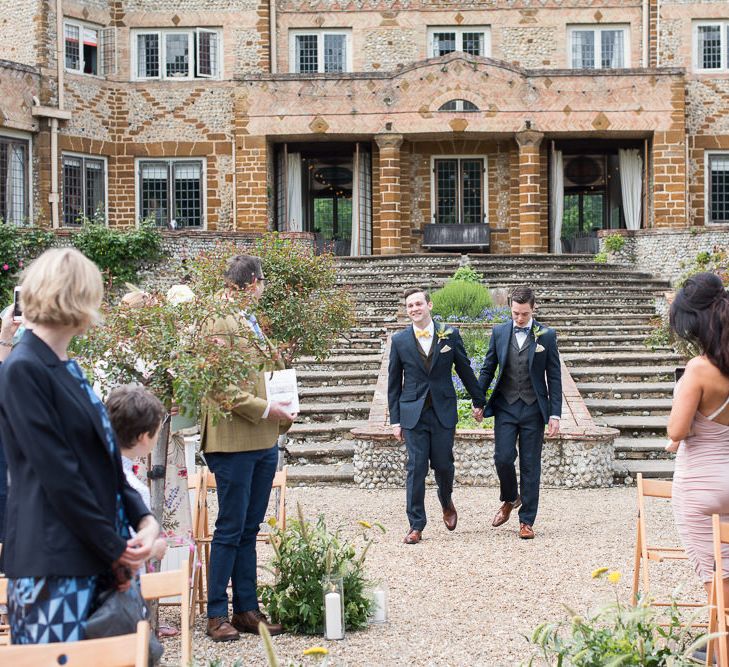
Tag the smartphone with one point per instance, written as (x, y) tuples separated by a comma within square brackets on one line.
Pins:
[(678, 372), (17, 308)]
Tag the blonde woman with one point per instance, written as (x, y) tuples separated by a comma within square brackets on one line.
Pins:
[(69, 504)]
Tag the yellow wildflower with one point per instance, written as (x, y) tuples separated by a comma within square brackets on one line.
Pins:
[(614, 577), (272, 522), (316, 650), (599, 572), (364, 524)]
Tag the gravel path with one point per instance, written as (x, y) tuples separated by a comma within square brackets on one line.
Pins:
[(470, 597)]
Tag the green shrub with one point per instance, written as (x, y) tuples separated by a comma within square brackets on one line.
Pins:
[(716, 261), (601, 258), (119, 253), (468, 275), (461, 299), (303, 554), (614, 242), (18, 247)]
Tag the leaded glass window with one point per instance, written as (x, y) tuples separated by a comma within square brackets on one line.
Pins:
[(459, 190)]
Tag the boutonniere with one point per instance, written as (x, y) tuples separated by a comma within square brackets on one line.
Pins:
[(443, 333), (538, 331)]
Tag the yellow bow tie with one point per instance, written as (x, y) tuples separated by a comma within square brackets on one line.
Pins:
[(422, 334)]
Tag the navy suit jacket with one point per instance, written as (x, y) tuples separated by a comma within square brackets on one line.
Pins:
[(409, 382), (64, 481), (544, 367)]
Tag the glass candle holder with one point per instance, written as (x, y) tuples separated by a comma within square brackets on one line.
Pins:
[(379, 604), (333, 592)]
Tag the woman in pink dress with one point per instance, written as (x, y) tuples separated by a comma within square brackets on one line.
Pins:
[(699, 421)]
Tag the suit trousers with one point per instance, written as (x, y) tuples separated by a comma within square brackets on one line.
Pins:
[(525, 423), (429, 444), (244, 486)]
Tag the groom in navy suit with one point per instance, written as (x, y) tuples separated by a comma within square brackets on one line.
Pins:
[(423, 407), (527, 395)]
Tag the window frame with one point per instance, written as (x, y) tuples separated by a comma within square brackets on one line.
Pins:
[(459, 32), (319, 33), (169, 162), (434, 189), (193, 42), (83, 157), (15, 135), (598, 29), (81, 25), (723, 24), (707, 187), (460, 106)]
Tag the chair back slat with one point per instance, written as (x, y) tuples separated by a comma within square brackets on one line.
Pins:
[(656, 488)]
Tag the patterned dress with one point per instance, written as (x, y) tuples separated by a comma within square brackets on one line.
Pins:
[(44, 610)]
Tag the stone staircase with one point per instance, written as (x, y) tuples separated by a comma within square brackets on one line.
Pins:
[(602, 315)]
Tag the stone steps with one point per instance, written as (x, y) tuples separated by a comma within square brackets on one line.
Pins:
[(641, 448), (334, 412), (323, 453), (619, 374), (652, 426), (595, 348), (340, 392), (620, 358), (625, 389), (316, 378), (345, 363), (626, 471), (323, 431), (373, 344), (333, 474), (629, 406)]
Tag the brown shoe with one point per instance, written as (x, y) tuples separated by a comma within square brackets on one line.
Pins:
[(502, 516), (526, 532), (220, 630), (450, 516), (413, 537), (247, 621)]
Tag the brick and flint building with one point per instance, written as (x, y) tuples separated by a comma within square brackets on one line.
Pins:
[(383, 127)]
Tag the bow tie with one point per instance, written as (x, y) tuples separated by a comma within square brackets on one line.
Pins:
[(424, 333), (524, 330)]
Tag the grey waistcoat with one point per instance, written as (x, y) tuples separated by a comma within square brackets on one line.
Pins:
[(515, 381)]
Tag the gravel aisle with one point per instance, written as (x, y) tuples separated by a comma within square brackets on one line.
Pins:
[(469, 597)]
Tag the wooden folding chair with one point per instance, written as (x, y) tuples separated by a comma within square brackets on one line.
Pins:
[(4, 628), (652, 488), (156, 585), (717, 599), (123, 651)]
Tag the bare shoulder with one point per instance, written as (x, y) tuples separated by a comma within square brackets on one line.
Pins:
[(705, 372)]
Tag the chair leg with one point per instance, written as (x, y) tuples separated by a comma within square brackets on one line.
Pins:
[(636, 569)]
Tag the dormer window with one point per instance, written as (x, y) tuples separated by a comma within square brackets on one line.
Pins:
[(458, 105), (473, 40)]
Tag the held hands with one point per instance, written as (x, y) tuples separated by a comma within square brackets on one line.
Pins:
[(477, 414), (553, 428)]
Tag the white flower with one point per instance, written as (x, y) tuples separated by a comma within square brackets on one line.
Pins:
[(179, 294)]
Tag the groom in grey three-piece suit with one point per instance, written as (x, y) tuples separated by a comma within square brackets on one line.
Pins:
[(526, 396)]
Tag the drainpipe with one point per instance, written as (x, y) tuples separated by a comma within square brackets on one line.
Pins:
[(235, 186), (272, 49), (646, 36)]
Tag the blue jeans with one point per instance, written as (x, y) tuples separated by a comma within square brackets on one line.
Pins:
[(244, 486)]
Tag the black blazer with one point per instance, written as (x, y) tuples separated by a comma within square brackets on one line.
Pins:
[(545, 369), (61, 508), (409, 382)]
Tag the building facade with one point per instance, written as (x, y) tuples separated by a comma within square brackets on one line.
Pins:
[(381, 127)]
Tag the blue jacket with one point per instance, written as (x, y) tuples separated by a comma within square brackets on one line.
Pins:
[(544, 367), (409, 383)]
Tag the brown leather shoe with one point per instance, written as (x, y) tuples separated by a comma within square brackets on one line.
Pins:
[(413, 537), (247, 621), (220, 630), (450, 516), (526, 532), (502, 516)]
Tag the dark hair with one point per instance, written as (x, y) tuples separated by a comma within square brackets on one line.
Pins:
[(242, 269), (133, 411), (414, 290), (523, 294), (700, 315)]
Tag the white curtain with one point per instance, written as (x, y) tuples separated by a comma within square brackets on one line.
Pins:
[(631, 182), (556, 194), (293, 193), (356, 246), (361, 204)]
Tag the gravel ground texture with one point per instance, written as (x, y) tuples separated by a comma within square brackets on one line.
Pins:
[(470, 597)]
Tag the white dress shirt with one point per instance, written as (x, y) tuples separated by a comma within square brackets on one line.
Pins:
[(425, 342), (520, 335)]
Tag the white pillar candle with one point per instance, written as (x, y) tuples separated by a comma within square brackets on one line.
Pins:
[(380, 609), (333, 615)]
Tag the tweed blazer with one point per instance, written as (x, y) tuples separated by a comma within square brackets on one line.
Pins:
[(245, 429)]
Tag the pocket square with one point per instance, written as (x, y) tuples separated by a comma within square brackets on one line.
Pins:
[(540, 348), (445, 348)]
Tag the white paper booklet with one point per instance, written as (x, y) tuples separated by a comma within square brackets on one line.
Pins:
[(281, 387)]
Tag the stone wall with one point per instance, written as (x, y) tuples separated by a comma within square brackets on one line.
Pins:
[(661, 251), (18, 31)]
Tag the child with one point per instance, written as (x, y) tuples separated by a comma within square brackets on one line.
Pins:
[(136, 416)]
